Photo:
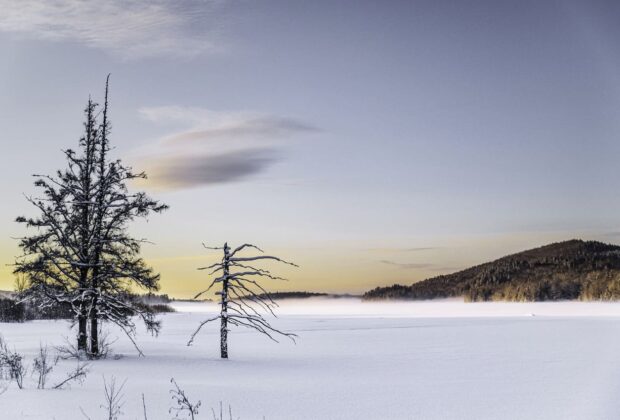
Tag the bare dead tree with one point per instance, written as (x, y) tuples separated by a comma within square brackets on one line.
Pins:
[(243, 300)]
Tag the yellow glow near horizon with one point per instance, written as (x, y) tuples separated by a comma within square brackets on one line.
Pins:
[(335, 270)]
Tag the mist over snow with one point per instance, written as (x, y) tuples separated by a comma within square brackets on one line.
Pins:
[(440, 308)]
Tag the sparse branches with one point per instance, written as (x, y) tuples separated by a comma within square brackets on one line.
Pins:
[(113, 398), (76, 375), (182, 405), (68, 351), (12, 364), (12, 367), (21, 284), (242, 296), (221, 414), (43, 364), (104, 345)]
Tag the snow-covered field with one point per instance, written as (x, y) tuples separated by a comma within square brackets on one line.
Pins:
[(353, 360)]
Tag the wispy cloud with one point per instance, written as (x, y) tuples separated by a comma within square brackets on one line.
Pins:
[(193, 171), (417, 266), (412, 249), (130, 29), (215, 147), (407, 266), (210, 125)]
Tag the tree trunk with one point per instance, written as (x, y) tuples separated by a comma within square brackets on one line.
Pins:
[(224, 313), (82, 338), (94, 331), (224, 320), (224, 338), (84, 226), (94, 324), (100, 211)]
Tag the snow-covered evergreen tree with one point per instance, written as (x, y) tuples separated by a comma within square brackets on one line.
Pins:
[(81, 253), (56, 258), (243, 300), (116, 262)]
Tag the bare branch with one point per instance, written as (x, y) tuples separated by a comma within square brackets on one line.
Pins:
[(202, 324), (240, 248), (262, 257), (78, 374), (212, 247)]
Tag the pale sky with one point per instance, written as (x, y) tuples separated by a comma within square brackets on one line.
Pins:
[(370, 142)]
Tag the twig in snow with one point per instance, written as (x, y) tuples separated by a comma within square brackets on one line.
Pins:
[(221, 416), (114, 398), (42, 366), (184, 406), (78, 374), (144, 407)]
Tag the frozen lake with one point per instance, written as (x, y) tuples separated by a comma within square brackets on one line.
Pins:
[(418, 360)]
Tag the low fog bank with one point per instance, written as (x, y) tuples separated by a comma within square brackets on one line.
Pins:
[(440, 308)]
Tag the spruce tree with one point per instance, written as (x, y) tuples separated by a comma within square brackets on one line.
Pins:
[(81, 253)]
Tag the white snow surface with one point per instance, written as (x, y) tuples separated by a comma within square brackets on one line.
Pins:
[(353, 360)]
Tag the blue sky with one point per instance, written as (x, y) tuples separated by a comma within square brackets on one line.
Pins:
[(372, 142)]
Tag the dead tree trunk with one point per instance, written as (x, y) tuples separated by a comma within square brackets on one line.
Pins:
[(224, 303), (242, 296)]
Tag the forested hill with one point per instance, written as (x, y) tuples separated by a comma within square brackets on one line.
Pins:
[(574, 269)]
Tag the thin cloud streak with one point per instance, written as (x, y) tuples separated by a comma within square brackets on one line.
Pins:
[(413, 249), (417, 266), (257, 128), (127, 29), (192, 171), (207, 124), (407, 266)]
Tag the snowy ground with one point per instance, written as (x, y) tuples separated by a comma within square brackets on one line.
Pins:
[(428, 360)]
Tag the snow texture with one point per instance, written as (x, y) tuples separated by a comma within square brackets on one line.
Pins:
[(354, 360)]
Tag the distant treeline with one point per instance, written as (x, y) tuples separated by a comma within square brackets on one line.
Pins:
[(291, 295), (561, 271), (13, 310), (152, 298)]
